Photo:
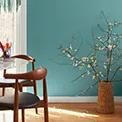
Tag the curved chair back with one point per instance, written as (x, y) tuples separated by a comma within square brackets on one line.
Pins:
[(23, 100)]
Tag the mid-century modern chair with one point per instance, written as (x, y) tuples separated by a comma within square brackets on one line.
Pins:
[(25, 83), (25, 100)]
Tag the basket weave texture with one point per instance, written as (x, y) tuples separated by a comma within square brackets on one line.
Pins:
[(105, 98)]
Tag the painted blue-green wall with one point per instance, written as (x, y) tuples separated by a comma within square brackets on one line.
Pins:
[(52, 23)]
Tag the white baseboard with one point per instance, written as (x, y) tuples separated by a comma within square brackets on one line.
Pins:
[(82, 99)]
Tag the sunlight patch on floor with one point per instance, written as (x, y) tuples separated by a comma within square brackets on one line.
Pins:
[(71, 112), (55, 115)]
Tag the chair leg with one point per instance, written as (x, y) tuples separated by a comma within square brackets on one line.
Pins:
[(23, 115), (35, 93), (46, 118), (3, 91), (16, 101), (36, 109), (15, 115), (23, 111)]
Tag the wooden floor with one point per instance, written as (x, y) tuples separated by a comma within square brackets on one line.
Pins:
[(67, 112), (88, 111), (84, 112)]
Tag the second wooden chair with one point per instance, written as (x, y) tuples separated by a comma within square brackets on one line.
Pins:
[(25, 83)]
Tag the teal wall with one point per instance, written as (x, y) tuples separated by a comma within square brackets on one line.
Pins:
[(52, 23)]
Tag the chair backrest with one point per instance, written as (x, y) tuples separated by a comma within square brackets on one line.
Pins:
[(37, 74), (25, 57)]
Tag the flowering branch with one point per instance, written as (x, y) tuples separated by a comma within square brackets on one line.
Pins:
[(105, 56)]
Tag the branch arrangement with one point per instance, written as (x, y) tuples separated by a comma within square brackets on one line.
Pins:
[(104, 62)]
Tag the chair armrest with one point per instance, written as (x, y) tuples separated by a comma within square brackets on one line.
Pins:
[(37, 74)]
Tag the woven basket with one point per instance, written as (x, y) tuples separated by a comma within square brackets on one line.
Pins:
[(105, 98)]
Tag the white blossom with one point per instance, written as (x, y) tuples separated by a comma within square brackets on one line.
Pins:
[(75, 50), (72, 58), (75, 64), (93, 77), (110, 47), (98, 37), (114, 46), (120, 69), (109, 41), (68, 55), (83, 76), (101, 74), (92, 58), (101, 48), (85, 59), (89, 66), (120, 36), (105, 66), (110, 24), (80, 62), (63, 51), (88, 72), (97, 45), (70, 47)]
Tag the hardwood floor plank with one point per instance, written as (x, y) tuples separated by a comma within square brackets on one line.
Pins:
[(72, 112)]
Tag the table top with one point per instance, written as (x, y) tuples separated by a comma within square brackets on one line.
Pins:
[(7, 63)]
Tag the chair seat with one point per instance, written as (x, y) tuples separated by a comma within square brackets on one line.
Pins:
[(26, 100)]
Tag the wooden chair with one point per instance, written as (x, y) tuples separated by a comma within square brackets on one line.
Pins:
[(25, 83), (25, 100)]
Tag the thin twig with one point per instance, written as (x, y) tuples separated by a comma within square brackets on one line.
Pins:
[(79, 76), (117, 69), (91, 86)]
